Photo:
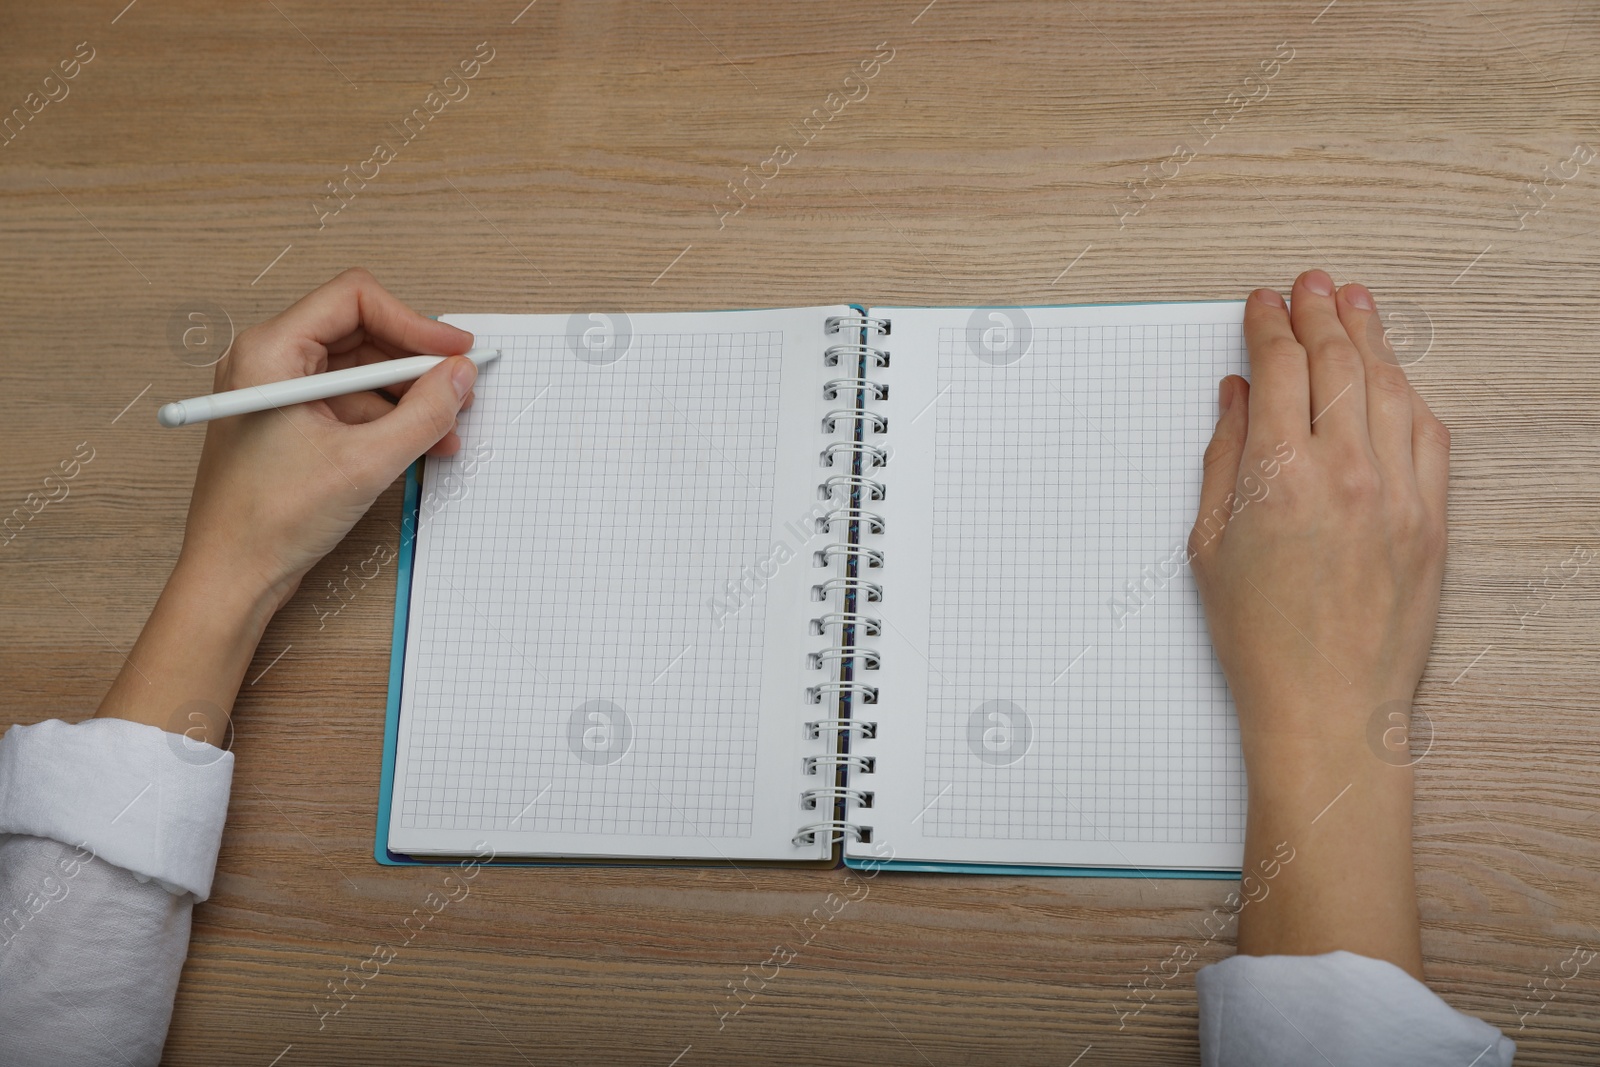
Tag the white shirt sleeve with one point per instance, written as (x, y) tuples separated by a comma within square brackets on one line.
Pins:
[(1339, 1009), (109, 833)]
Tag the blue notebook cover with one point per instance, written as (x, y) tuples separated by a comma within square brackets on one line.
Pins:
[(397, 661)]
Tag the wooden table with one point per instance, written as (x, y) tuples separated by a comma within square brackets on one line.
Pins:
[(990, 162)]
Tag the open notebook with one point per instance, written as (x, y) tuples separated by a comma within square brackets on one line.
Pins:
[(898, 584)]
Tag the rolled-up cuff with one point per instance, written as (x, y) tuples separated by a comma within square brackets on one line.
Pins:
[(141, 798), (1338, 1008)]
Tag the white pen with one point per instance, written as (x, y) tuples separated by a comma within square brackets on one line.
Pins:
[(310, 387)]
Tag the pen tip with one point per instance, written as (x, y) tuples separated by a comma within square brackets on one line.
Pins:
[(170, 414)]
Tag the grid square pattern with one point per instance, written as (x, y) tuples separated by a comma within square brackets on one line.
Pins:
[(1059, 480), (574, 571)]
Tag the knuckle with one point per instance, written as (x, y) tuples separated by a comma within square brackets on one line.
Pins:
[(1387, 383), (441, 420), (1287, 494), (1410, 522), (1357, 482), (1420, 533), (249, 340), (1338, 350), (1208, 526), (1201, 545), (1434, 432), (1282, 348), (244, 352), (1218, 451)]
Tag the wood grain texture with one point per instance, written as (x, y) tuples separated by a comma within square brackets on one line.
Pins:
[(992, 150)]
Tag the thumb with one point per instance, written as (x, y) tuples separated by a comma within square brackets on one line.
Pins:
[(425, 414), (1221, 465)]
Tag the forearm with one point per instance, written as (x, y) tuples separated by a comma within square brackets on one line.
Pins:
[(109, 833), (91, 951), (1327, 925), (1350, 886), (184, 672)]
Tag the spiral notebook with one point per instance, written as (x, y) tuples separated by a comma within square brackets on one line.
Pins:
[(897, 586)]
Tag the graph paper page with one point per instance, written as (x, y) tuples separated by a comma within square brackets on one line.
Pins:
[(1045, 462), (610, 599)]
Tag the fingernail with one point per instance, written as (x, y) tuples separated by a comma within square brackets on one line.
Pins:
[(462, 375), (1359, 296), (1224, 396), (1319, 282), (1270, 296)]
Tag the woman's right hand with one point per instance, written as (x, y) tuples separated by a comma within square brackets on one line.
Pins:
[(1319, 552)]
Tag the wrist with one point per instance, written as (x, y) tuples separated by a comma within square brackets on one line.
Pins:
[(226, 589), (1330, 741), (1372, 723), (1300, 788), (183, 673), (1346, 815), (232, 600)]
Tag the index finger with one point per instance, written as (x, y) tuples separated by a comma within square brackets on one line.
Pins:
[(1280, 380), (354, 300)]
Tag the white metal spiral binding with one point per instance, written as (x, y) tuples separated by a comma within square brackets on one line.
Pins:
[(851, 514), (878, 456), (839, 323), (870, 626), (817, 727), (859, 586), (836, 829), (817, 694), (825, 556), (869, 658), (867, 764), (876, 490), (830, 390), (830, 421), (850, 487), (853, 352), (811, 798)]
